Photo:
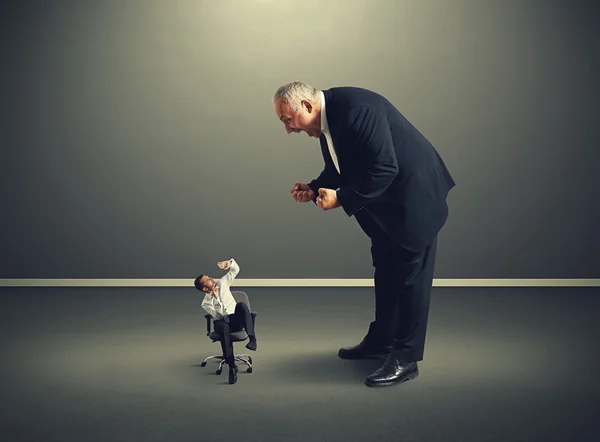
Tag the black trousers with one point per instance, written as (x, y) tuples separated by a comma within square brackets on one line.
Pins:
[(241, 319), (403, 281)]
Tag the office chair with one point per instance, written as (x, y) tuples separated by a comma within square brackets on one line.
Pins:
[(238, 336)]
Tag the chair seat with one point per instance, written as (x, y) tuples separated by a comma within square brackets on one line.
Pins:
[(235, 336)]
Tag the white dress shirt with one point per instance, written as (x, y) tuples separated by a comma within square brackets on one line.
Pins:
[(325, 130), (225, 304)]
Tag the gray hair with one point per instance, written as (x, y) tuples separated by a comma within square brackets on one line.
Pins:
[(294, 92)]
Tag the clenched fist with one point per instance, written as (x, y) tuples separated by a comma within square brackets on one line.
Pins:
[(302, 193), (328, 199)]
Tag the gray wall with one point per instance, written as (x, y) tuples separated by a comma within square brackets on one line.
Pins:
[(138, 138)]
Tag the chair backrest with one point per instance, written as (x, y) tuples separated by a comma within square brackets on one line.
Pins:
[(241, 297)]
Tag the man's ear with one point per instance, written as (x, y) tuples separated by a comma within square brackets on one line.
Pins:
[(307, 105)]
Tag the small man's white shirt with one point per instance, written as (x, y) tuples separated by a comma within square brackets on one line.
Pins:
[(225, 304)]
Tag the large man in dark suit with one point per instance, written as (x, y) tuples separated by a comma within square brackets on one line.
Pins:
[(380, 169)]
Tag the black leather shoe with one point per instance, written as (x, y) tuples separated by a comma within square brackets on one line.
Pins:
[(252, 344), (393, 372), (364, 351), (233, 374)]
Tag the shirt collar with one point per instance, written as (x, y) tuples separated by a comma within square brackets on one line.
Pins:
[(324, 125)]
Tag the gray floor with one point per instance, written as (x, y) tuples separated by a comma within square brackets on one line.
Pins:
[(123, 365)]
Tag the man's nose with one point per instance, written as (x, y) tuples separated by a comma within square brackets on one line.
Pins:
[(289, 129)]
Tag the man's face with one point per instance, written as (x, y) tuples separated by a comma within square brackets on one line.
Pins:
[(208, 283), (306, 119)]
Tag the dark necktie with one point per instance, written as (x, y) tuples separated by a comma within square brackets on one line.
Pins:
[(225, 316)]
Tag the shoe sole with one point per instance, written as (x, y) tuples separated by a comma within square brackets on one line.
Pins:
[(387, 384)]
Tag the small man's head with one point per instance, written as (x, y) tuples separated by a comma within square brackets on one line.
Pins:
[(298, 106), (205, 283)]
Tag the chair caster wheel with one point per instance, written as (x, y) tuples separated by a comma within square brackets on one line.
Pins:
[(219, 371), (249, 370), (203, 364)]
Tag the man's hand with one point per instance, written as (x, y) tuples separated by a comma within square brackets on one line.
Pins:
[(328, 199), (224, 265), (302, 193)]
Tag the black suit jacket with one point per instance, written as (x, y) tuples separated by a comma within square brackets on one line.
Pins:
[(388, 169)]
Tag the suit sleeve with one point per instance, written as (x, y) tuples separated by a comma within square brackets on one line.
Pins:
[(371, 134)]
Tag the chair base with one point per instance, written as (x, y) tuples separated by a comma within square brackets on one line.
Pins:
[(241, 358)]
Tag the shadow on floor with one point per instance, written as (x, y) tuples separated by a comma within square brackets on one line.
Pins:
[(318, 367)]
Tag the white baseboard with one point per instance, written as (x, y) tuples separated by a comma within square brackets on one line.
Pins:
[(289, 282)]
